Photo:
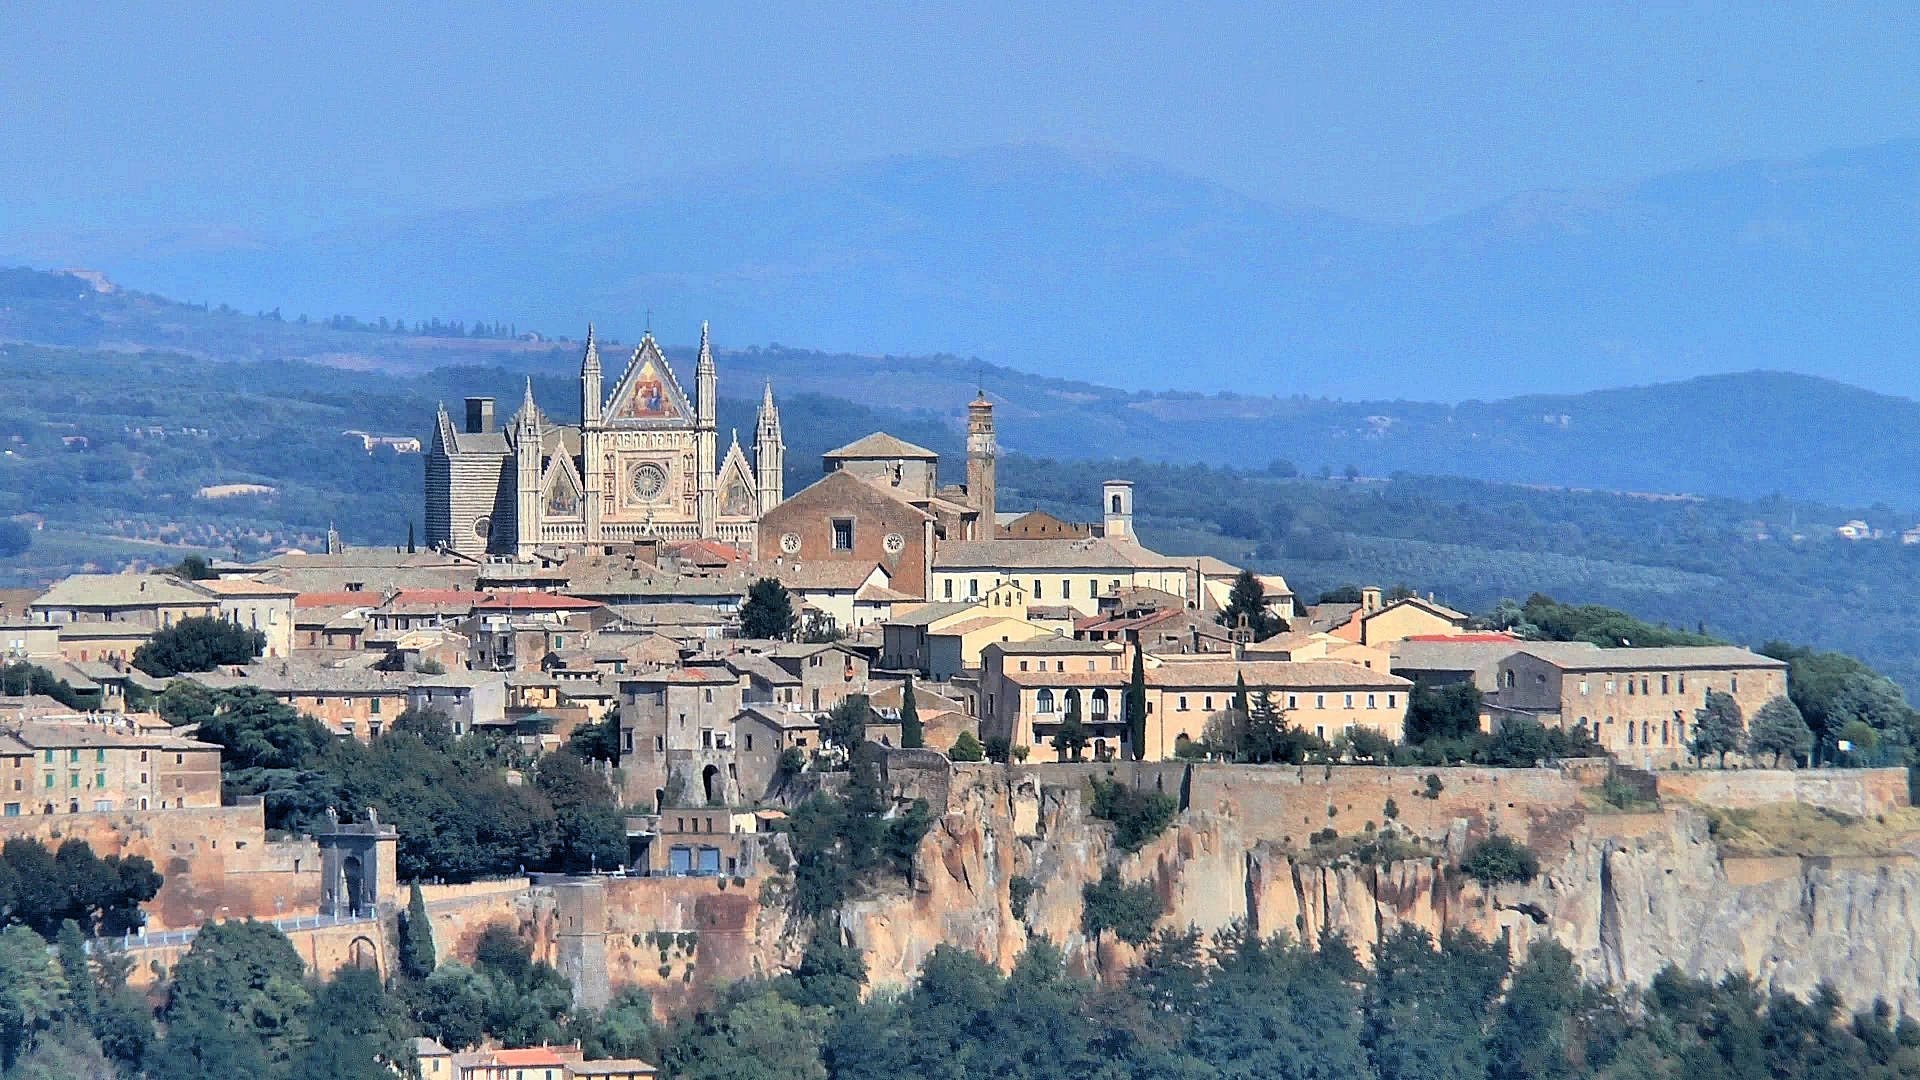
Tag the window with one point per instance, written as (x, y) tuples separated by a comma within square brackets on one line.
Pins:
[(1060, 666), (179, 759), (100, 779), (1036, 588), (1609, 686), (1023, 665), (1370, 701), (659, 744), (1629, 687), (1207, 703), (1293, 701), (100, 755), (949, 588), (47, 756), (843, 534), (973, 588), (1183, 703), (1734, 685), (143, 756), (49, 782), (374, 706), (1683, 683), (1319, 701), (1391, 701), (749, 740), (73, 757), (1066, 588), (73, 780), (1663, 684), (1583, 688), (1116, 504), (1349, 700), (13, 809), (1043, 701)]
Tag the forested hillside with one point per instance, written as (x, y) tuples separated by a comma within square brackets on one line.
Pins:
[(1749, 435)]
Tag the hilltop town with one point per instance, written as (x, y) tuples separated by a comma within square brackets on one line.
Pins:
[(631, 711)]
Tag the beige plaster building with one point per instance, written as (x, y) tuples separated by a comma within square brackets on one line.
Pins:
[(72, 765), (1638, 703)]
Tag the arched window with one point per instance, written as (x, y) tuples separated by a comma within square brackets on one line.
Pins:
[(1099, 708), (1043, 701), (1116, 504)]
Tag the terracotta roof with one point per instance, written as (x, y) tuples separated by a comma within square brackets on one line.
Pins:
[(825, 574), (336, 599), (1674, 656), (880, 445)]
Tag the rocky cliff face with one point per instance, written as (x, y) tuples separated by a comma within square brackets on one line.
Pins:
[(1627, 894)]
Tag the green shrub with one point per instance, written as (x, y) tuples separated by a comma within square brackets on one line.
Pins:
[(1020, 889), (1137, 816), (1500, 860), (1128, 910)]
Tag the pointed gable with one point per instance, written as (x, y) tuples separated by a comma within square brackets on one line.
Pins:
[(561, 492), (738, 496), (647, 390)]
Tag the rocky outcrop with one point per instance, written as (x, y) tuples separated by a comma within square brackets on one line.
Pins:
[(1627, 894)]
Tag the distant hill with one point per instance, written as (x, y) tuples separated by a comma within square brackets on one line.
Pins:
[(1750, 434), (1131, 274)]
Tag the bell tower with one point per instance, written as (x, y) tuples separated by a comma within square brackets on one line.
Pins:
[(982, 454)]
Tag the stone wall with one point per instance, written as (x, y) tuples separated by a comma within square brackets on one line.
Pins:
[(1860, 792), (216, 861)]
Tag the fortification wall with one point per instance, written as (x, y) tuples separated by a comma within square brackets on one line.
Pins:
[(216, 860), (1860, 792)]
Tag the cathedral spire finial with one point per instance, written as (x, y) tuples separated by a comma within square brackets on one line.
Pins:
[(706, 349)]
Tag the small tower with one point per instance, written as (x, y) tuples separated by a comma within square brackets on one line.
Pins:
[(981, 454), (1116, 499), (527, 437), (334, 547), (590, 400), (769, 454), (706, 400)]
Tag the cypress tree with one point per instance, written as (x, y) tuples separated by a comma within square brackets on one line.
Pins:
[(82, 992), (410, 550), (416, 937), (912, 735), (1136, 705)]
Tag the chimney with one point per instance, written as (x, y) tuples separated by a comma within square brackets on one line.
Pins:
[(479, 416)]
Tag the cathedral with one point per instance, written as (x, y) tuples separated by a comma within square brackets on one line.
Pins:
[(642, 463)]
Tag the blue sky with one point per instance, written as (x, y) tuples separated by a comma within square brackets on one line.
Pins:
[(277, 118)]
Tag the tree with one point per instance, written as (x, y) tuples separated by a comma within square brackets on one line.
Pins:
[(1070, 738), (590, 827), (1500, 860), (768, 610), (82, 992), (599, 740), (1778, 728), (193, 568), (198, 643), (410, 547), (830, 974), (1718, 727), (967, 748), (358, 1032), (1134, 705), (416, 937), (33, 991), (845, 725), (1248, 600), (1442, 712), (912, 735), (1111, 904), (15, 539), (1137, 816), (236, 1006), (1535, 1035), (760, 1037)]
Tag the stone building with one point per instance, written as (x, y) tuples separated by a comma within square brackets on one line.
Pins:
[(72, 765), (1026, 689), (1638, 703), (881, 501), (644, 462)]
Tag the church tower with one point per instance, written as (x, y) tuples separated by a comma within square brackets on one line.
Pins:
[(527, 437), (706, 392), (591, 402), (769, 453), (982, 453)]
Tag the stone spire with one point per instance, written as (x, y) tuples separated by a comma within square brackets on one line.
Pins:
[(769, 453), (590, 401), (705, 407)]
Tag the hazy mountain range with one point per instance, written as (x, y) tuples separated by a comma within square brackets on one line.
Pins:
[(1134, 275), (1749, 434)]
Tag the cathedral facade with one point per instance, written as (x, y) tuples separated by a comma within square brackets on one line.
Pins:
[(643, 463)]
